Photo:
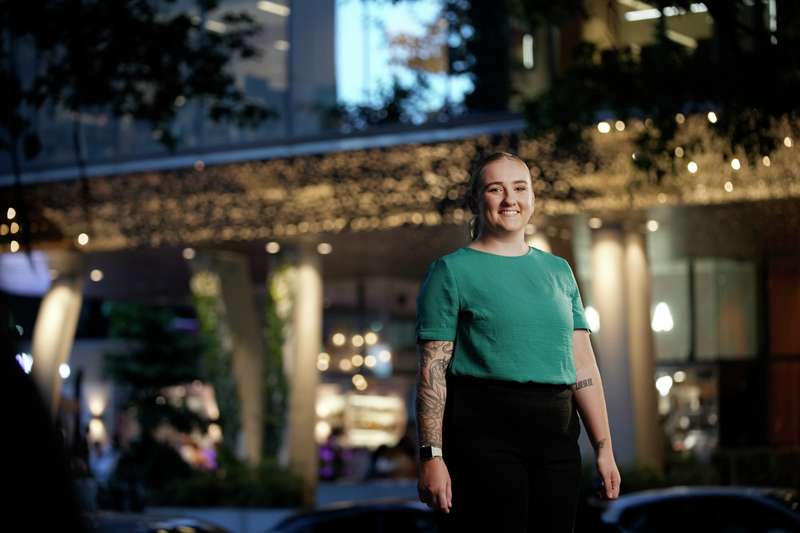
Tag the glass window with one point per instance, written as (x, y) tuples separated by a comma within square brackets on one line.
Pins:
[(726, 309), (380, 43), (669, 313)]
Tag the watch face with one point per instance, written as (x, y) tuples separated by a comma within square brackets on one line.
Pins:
[(426, 452)]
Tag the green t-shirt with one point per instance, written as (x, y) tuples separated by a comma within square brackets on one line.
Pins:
[(511, 318)]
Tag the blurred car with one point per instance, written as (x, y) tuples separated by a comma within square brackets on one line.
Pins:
[(707, 509), (111, 522), (380, 516)]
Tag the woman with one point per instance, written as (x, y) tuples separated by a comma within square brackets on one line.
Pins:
[(505, 359)]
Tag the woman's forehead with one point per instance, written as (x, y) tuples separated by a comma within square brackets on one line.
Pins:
[(505, 171)]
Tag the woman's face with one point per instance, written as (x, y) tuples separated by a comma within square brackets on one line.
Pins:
[(506, 196)]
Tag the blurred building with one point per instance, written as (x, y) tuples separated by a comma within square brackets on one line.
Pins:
[(692, 291)]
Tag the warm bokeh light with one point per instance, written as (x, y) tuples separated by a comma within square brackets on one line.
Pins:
[(83, 239), (338, 339), (188, 254), (272, 247), (96, 275), (593, 318), (662, 318), (358, 340)]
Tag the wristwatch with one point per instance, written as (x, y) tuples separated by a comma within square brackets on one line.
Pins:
[(429, 452)]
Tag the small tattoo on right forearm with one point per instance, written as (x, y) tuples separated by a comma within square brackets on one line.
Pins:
[(583, 383)]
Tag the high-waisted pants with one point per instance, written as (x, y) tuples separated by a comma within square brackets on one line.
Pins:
[(512, 453)]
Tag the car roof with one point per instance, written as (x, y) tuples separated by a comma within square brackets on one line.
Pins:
[(345, 508), (617, 507)]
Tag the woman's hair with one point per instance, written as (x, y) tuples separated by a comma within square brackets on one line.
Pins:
[(472, 197)]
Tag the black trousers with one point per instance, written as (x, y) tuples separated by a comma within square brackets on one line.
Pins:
[(513, 456)]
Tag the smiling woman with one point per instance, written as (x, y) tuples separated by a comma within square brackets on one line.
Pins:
[(505, 367)]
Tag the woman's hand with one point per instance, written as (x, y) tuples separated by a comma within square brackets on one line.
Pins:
[(609, 473), (434, 484)]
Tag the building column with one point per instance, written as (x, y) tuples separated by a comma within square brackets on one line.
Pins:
[(230, 272), (624, 343), (649, 444), (56, 322), (304, 341)]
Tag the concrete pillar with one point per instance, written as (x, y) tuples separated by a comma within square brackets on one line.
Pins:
[(611, 342), (305, 339), (54, 330), (624, 344), (649, 444), (240, 316)]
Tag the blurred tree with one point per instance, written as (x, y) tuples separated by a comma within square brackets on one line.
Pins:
[(746, 73), (139, 59), (159, 357)]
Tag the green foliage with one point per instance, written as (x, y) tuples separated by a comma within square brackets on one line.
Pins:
[(234, 484), (217, 365), (739, 73), (276, 386), (158, 356)]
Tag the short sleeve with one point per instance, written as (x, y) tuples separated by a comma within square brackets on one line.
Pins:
[(437, 304), (578, 314)]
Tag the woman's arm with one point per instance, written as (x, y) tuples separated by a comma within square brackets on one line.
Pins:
[(592, 407), (434, 479)]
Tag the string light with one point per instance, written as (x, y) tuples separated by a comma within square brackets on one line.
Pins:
[(384, 189), (83, 239), (604, 127), (11, 213)]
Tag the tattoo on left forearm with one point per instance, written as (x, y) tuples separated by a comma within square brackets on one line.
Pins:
[(600, 444), (583, 383)]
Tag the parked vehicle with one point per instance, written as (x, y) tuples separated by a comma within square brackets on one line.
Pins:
[(110, 522), (382, 516), (706, 509)]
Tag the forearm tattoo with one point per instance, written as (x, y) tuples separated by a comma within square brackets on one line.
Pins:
[(434, 356), (600, 444), (583, 383)]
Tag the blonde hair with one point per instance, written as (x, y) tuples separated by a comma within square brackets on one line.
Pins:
[(472, 197)]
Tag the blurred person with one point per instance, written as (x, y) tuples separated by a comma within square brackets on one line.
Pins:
[(39, 494), (505, 364)]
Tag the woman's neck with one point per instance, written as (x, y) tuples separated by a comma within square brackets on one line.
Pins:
[(512, 244)]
